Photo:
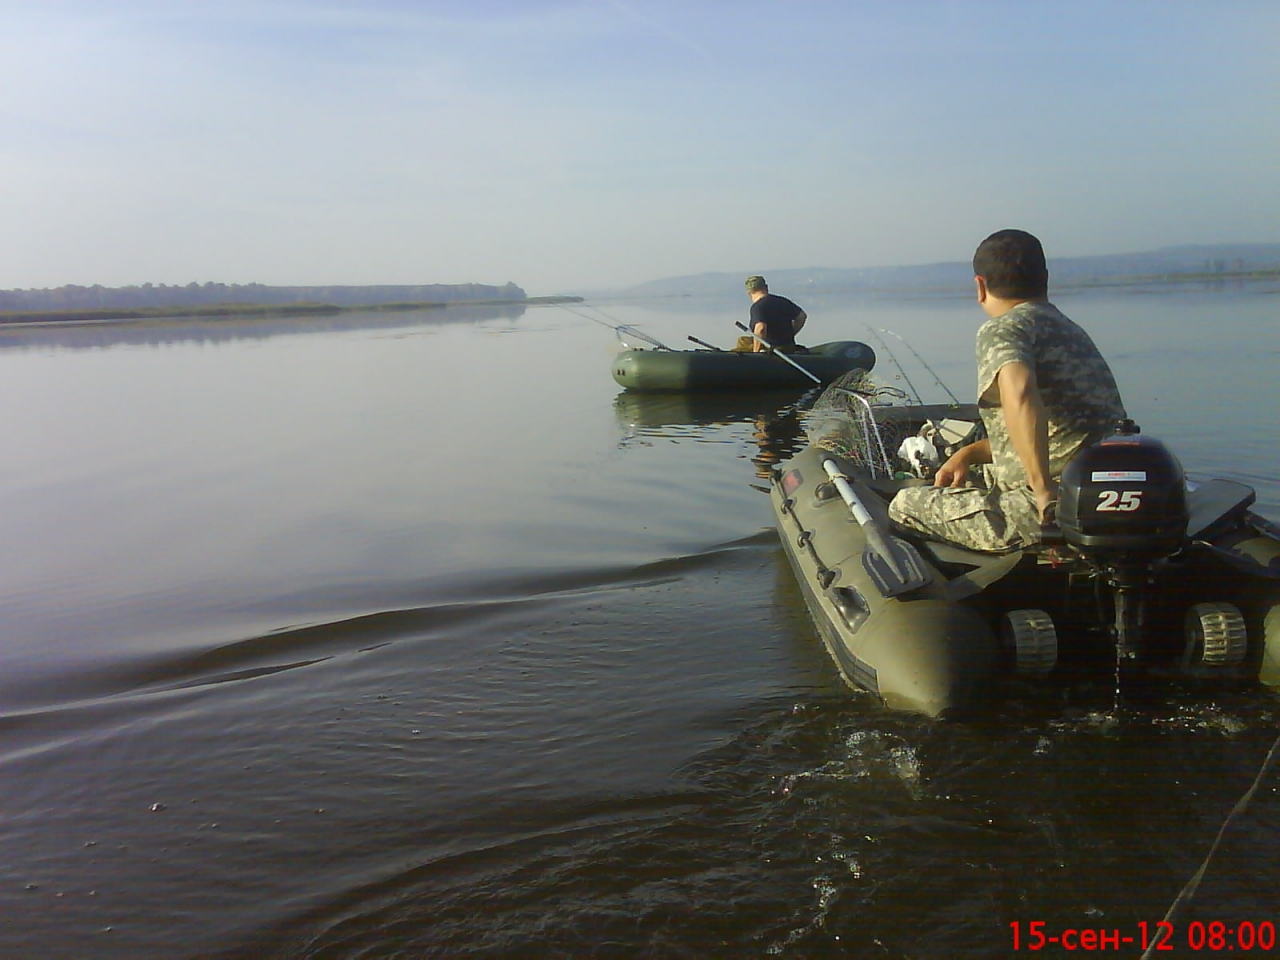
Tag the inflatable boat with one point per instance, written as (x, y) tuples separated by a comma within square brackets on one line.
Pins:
[(694, 370), (1144, 573)]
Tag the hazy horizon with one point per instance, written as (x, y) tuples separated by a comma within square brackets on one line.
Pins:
[(1270, 253), (566, 146)]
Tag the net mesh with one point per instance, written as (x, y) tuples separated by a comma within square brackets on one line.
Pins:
[(844, 421)]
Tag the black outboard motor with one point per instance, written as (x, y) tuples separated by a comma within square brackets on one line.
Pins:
[(1122, 503)]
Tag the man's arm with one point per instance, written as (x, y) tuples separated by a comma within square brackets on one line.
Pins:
[(799, 320), (955, 472), (1024, 416), (759, 330)]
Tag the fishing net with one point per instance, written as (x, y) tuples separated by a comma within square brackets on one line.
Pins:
[(845, 421)]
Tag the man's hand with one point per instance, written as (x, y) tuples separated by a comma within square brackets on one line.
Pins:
[(955, 472), (952, 473), (1044, 497)]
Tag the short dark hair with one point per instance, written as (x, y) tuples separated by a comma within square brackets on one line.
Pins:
[(1012, 264)]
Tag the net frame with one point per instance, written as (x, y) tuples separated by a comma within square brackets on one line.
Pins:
[(844, 421)]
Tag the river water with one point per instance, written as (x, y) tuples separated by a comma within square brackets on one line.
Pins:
[(409, 636)]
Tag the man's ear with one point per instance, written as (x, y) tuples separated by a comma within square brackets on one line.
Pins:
[(981, 284)]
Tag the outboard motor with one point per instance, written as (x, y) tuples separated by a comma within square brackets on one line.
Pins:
[(1122, 503)]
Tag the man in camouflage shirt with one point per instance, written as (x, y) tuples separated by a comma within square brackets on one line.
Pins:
[(1044, 392)]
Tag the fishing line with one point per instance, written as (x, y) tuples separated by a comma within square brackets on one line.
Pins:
[(591, 306), (937, 379), (621, 329), (1189, 890), (901, 372)]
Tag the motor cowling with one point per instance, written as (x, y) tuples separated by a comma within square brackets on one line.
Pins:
[(1124, 497)]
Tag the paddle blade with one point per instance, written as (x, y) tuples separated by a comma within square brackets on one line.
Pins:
[(896, 568)]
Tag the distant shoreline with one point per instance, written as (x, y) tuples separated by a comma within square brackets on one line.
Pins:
[(247, 310), (1202, 276), (933, 290), (1167, 267)]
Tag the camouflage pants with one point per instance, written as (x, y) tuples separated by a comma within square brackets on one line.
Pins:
[(981, 519)]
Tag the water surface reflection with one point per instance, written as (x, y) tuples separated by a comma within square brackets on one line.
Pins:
[(377, 641)]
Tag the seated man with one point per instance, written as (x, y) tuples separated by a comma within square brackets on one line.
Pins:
[(774, 318), (1044, 392)]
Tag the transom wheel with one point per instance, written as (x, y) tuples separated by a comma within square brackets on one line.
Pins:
[(1216, 637), (1032, 639)]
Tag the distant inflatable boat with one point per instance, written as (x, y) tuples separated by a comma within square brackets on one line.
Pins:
[(696, 370)]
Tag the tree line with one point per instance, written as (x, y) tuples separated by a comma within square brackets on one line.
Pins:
[(98, 297)]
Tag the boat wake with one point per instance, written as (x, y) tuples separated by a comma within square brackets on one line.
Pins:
[(480, 603)]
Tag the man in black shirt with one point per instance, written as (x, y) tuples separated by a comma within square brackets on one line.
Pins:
[(774, 318)]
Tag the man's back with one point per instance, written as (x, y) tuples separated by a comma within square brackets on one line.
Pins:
[(1077, 388), (778, 316)]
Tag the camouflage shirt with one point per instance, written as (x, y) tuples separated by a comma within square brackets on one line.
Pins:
[(1076, 386)]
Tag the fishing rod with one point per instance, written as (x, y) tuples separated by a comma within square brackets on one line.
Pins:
[(901, 372), (703, 343), (621, 329), (937, 379), (914, 456)]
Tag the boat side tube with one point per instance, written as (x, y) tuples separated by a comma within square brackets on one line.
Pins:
[(918, 649), (699, 370)]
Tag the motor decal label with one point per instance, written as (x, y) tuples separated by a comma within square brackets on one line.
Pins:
[(1121, 476), (1120, 501)]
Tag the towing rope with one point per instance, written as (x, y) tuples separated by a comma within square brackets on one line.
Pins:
[(804, 539), (1189, 890)]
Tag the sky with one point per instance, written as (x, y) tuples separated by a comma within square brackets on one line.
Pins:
[(573, 146)]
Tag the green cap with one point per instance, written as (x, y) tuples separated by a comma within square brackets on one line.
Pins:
[(756, 283)]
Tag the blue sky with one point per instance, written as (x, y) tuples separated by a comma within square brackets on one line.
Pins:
[(579, 145)]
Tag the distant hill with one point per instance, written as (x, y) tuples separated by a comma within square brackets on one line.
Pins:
[(161, 296), (1167, 264)]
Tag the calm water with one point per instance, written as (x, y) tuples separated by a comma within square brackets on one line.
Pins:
[(410, 637)]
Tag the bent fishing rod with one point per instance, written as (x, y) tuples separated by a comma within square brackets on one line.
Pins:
[(936, 379), (621, 329), (901, 372)]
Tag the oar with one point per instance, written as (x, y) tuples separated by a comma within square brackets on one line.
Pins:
[(777, 353), (893, 565), (709, 346)]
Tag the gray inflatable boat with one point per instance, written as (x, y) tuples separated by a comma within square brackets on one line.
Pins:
[(698, 370), (1183, 579)]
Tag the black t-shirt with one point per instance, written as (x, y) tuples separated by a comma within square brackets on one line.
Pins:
[(778, 315)]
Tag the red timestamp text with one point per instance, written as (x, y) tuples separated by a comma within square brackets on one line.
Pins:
[(1209, 936)]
